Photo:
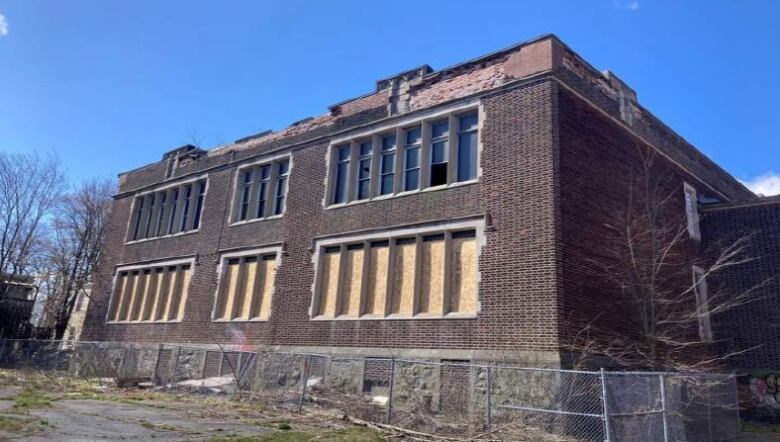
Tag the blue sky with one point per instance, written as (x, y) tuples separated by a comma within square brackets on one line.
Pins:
[(110, 86)]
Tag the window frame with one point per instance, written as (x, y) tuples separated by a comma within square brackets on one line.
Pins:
[(701, 295), (239, 254), (391, 235), (692, 218), (271, 182), (169, 220), (398, 129), (141, 267)]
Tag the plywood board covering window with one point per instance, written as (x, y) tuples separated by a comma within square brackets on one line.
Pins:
[(426, 274), (463, 294), (376, 290), (150, 293), (245, 287)]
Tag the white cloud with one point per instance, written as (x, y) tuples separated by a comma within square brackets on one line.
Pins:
[(629, 5), (3, 26), (766, 184)]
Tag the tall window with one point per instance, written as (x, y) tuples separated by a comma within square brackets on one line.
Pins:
[(246, 187), (246, 284), (401, 275), (283, 168), (413, 137), (157, 292), (435, 152), (364, 170), (692, 211), (387, 166), (261, 190), (467, 147), (342, 174), (167, 211), (702, 303), (440, 135)]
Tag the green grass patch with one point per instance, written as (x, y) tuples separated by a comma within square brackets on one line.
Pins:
[(352, 434), (30, 398)]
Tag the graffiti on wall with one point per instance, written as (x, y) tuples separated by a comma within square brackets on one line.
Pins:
[(765, 388)]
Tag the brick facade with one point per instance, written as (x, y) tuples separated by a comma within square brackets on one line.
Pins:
[(555, 137)]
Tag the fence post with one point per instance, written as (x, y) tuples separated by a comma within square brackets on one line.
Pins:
[(175, 372), (306, 364), (604, 406), (390, 393), (709, 408), (663, 407), (488, 402)]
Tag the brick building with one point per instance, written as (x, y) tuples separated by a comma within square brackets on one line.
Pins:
[(450, 214)]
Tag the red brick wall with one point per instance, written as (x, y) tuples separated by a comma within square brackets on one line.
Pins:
[(754, 326), (518, 292), (599, 163)]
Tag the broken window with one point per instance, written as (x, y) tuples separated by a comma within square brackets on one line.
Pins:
[(430, 274), (156, 213), (150, 293), (257, 185), (440, 135), (431, 153), (245, 287), (342, 174), (364, 170)]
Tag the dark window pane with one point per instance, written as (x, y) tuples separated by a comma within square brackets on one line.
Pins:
[(412, 179), (439, 152), (413, 136), (365, 169), (199, 204), (412, 158), (365, 148), (172, 218), (387, 163), (340, 192), (261, 200), (247, 177), (138, 215), (468, 122), (264, 172), (387, 184), (440, 129), (186, 209), (467, 156), (283, 167), (438, 174), (343, 153), (388, 142), (363, 188)]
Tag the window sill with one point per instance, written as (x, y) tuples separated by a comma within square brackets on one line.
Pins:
[(402, 194), (172, 235), (233, 321), (172, 321), (396, 317), (255, 220)]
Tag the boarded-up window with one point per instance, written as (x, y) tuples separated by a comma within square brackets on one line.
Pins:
[(426, 274), (331, 263), (245, 288), (153, 293), (353, 280), (432, 275), (403, 276), (463, 289), (376, 292)]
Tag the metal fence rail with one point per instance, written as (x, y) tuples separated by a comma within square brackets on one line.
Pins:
[(447, 397)]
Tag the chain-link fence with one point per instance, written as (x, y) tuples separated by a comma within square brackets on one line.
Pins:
[(449, 397)]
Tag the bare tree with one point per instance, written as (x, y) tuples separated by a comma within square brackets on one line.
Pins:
[(647, 257), (29, 188), (74, 247)]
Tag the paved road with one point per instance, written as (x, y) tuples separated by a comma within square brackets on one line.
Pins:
[(85, 420)]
